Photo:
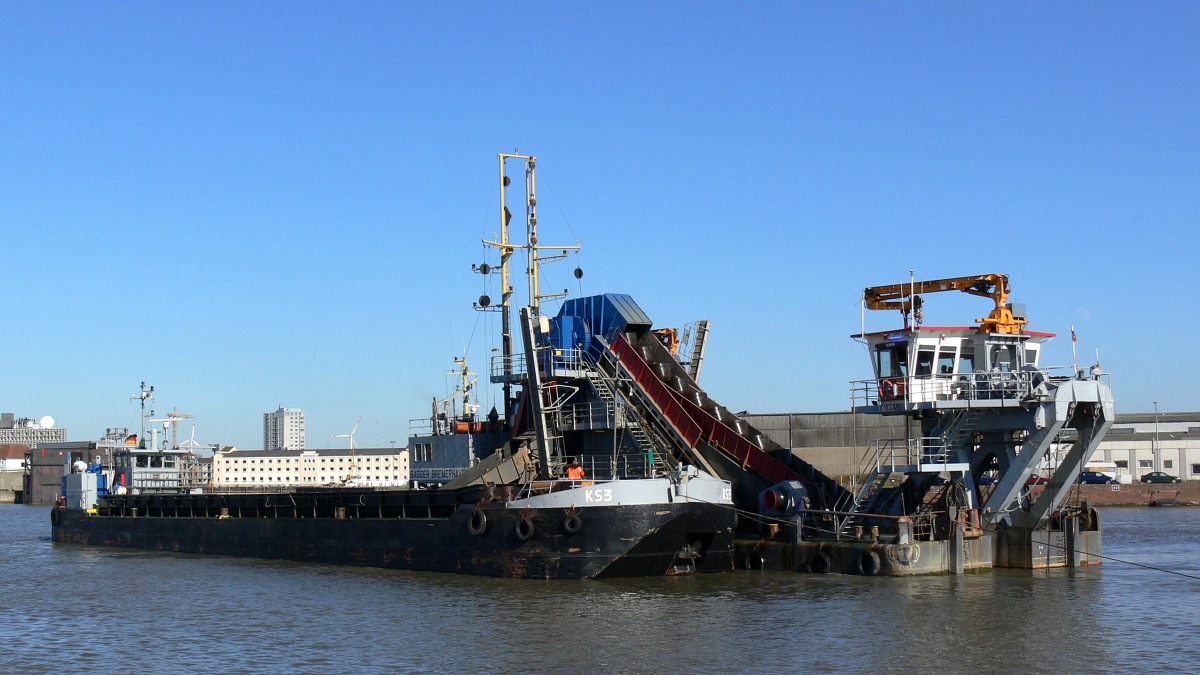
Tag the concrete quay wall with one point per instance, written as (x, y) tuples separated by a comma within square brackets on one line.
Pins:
[(10, 485), (1186, 493)]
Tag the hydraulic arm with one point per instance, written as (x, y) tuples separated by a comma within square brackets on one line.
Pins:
[(906, 297)]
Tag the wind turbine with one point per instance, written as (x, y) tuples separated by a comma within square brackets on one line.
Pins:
[(191, 443), (353, 456)]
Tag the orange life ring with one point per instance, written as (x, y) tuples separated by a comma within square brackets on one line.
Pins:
[(891, 389)]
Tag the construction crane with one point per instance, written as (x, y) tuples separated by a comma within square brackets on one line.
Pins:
[(906, 297), (176, 416)]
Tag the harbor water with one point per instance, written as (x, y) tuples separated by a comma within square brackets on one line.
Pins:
[(99, 610)]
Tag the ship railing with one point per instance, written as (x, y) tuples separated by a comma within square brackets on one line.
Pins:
[(890, 452), (934, 450), (590, 415), (223, 488), (142, 478), (597, 469), (507, 368), (924, 453), (420, 427), (632, 464), (880, 454), (541, 487), (553, 362), (860, 526), (976, 386), (635, 465), (923, 524), (1064, 373), (563, 362), (864, 469)]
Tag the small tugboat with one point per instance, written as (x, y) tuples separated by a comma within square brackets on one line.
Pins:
[(568, 482)]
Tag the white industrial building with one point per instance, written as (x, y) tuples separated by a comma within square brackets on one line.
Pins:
[(283, 429), (1139, 443), (363, 467)]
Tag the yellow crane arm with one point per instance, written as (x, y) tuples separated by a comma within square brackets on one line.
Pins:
[(906, 297)]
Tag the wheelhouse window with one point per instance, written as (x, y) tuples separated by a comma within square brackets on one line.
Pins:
[(1004, 358), (966, 359), (891, 359), (945, 361), (925, 357), (1031, 356)]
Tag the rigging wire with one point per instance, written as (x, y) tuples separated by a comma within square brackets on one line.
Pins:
[(566, 221), (578, 279), (549, 187)]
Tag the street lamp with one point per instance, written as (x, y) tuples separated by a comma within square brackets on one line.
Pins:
[(1157, 459)]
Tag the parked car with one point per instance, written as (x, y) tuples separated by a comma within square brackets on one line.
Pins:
[(1095, 477), (1159, 477), (1035, 479)]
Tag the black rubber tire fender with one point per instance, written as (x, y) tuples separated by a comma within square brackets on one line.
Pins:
[(572, 523), (525, 529), (869, 564), (478, 523)]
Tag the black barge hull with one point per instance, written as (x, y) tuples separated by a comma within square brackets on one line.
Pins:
[(426, 530)]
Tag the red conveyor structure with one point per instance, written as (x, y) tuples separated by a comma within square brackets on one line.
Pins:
[(698, 427)]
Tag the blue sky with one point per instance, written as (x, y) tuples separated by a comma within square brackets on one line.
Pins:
[(256, 204)]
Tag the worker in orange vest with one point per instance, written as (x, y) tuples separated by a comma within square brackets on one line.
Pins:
[(574, 471)]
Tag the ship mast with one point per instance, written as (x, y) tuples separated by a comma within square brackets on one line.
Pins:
[(146, 394), (465, 387), (534, 261)]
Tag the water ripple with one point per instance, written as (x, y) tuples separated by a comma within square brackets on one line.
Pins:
[(91, 609)]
